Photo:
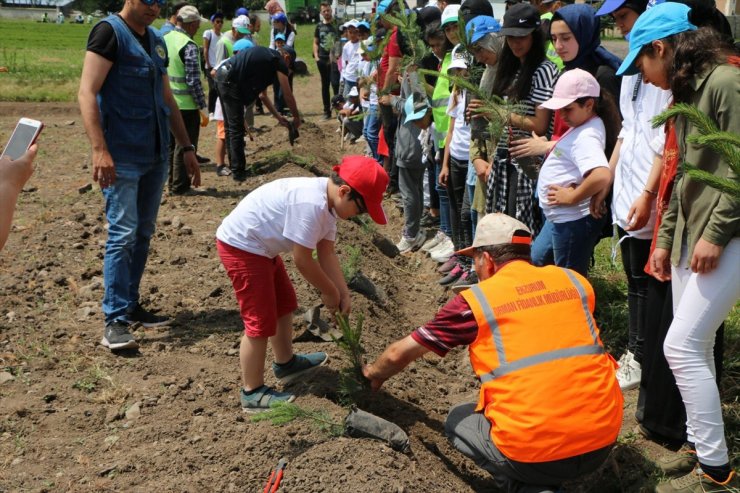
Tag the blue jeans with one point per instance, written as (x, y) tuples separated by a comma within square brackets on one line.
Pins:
[(131, 207), (568, 244), (371, 130), (444, 200)]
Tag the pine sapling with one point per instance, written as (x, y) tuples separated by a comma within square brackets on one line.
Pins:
[(726, 144), (282, 413), (352, 382)]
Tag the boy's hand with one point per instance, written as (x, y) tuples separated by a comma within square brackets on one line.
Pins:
[(331, 301)]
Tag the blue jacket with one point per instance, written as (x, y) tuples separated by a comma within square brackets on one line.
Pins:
[(134, 116)]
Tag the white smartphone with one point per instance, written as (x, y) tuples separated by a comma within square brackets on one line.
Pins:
[(24, 135)]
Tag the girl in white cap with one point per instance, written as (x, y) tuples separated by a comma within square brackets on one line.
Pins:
[(573, 172)]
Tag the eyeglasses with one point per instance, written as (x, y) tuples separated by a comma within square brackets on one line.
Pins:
[(357, 199), (160, 3)]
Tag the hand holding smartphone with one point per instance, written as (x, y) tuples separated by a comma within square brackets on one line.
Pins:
[(25, 134)]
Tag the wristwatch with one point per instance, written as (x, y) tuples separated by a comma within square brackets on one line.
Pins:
[(191, 147)]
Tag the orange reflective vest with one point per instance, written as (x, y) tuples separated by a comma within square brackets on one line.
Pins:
[(548, 387)]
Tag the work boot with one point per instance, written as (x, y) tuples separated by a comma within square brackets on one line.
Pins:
[(698, 482), (681, 462)]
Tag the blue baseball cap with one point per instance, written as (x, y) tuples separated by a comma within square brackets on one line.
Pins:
[(415, 107), (364, 24), (280, 17), (656, 23), (383, 6), (610, 6), (480, 26), (243, 44), (241, 11), (280, 36)]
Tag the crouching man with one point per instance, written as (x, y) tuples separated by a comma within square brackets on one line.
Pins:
[(550, 407)]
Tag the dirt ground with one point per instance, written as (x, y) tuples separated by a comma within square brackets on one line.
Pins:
[(75, 417)]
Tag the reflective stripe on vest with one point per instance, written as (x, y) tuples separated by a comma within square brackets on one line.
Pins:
[(176, 41), (440, 101), (505, 367)]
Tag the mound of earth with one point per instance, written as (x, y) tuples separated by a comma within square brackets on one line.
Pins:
[(74, 417)]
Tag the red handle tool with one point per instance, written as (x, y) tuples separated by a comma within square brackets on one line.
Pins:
[(273, 482)]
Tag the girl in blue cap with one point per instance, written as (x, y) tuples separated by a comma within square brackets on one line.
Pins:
[(697, 245)]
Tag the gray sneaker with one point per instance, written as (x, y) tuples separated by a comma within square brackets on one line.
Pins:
[(117, 336), (261, 400), (301, 364)]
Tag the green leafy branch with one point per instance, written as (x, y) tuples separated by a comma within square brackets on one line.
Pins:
[(282, 413), (413, 40), (495, 109), (726, 144)]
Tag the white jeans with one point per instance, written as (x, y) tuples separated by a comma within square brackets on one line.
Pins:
[(701, 302)]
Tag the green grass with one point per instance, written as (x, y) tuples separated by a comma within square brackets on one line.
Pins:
[(44, 61)]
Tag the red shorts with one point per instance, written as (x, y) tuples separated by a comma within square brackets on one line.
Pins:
[(262, 288)]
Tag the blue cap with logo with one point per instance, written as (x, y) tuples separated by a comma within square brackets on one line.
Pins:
[(241, 11), (480, 26), (656, 23), (280, 36), (280, 17)]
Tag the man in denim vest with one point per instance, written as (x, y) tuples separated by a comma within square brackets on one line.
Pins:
[(128, 110)]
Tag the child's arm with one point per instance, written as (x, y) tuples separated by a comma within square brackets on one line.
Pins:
[(595, 180), (330, 265), (317, 276), (445, 171)]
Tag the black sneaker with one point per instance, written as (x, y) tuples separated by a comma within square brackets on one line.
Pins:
[(146, 318), (202, 160), (239, 175), (117, 336), (223, 170)]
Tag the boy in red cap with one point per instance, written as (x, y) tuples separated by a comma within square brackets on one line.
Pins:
[(297, 215)]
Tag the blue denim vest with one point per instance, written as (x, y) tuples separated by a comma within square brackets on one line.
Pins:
[(131, 100)]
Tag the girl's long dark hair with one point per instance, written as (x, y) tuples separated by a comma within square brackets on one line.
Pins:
[(694, 52), (504, 85), (606, 109)]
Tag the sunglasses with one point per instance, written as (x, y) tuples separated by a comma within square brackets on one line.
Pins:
[(160, 3)]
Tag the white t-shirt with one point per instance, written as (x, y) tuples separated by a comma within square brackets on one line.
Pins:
[(212, 38), (578, 151), (365, 69), (278, 214), (350, 61), (639, 103), (460, 141)]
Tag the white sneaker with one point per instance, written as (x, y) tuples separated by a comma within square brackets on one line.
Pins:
[(444, 244), (433, 242), (629, 374), (408, 245), (443, 253)]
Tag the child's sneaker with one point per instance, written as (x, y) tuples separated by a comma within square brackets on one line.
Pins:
[(410, 244), (262, 398), (433, 242), (300, 364)]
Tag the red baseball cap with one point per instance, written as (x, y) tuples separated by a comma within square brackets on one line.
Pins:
[(369, 179)]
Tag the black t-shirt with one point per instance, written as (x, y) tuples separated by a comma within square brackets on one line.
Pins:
[(322, 32), (254, 70), (103, 41)]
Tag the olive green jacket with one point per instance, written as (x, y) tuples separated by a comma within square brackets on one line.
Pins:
[(697, 210)]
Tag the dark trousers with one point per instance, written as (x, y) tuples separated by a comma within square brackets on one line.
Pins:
[(212, 93), (635, 253), (233, 109), (325, 68), (278, 94), (390, 124), (179, 181), (455, 192), (470, 433), (433, 195), (660, 408)]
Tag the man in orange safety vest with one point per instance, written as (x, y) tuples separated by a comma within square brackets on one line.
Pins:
[(549, 408)]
